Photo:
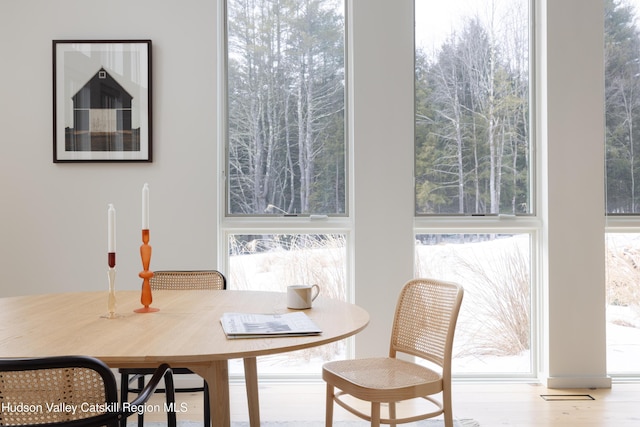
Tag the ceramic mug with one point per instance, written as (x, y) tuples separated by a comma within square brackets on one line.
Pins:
[(300, 297)]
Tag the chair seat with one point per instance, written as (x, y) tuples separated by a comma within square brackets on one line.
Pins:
[(382, 379)]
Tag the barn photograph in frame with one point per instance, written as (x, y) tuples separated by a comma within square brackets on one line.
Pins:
[(102, 100)]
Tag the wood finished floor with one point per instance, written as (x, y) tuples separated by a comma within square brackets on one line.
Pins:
[(492, 405)]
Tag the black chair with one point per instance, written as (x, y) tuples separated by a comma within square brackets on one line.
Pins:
[(71, 391), (175, 280)]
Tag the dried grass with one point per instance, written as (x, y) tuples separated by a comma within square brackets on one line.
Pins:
[(278, 261), (495, 318), (623, 275), (496, 313), (502, 302)]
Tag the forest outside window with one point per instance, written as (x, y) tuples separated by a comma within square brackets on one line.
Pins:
[(472, 100), (622, 95), (622, 157), (473, 159), (286, 157), (286, 152)]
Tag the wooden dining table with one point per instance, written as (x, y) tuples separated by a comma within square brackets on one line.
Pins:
[(185, 332)]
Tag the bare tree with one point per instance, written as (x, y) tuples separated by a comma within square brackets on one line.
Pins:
[(285, 58), (477, 127)]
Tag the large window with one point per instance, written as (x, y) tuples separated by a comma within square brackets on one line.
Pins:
[(494, 329), (475, 216), (473, 139), (622, 91), (286, 116), (271, 262), (286, 181), (623, 303), (622, 94)]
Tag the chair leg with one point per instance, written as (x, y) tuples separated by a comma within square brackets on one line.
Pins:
[(207, 408), (447, 407), (392, 413), (329, 406), (124, 394), (141, 414), (375, 414), (448, 419)]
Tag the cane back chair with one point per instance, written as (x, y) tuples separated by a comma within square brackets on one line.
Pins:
[(175, 280), (71, 391), (423, 327)]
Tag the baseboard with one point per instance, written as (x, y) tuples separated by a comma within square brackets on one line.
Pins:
[(579, 382)]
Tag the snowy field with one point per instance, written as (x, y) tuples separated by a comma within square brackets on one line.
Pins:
[(484, 346)]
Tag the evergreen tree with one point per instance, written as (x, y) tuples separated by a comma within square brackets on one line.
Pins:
[(472, 138), (622, 95), (286, 106)]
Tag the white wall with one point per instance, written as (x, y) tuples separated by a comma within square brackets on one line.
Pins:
[(572, 135), (53, 216), (382, 129)]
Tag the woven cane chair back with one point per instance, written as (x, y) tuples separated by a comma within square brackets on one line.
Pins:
[(36, 388), (188, 280), (70, 391), (425, 320)]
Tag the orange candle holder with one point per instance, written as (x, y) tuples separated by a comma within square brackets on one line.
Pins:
[(146, 298)]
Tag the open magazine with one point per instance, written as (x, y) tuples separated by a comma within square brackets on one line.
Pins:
[(249, 325)]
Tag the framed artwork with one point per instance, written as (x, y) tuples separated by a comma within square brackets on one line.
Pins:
[(102, 101)]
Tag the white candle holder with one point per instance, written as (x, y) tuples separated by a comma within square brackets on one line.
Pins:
[(111, 300)]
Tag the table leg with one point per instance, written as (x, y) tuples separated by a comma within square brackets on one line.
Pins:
[(251, 382), (217, 376)]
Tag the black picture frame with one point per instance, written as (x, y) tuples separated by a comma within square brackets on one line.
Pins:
[(102, 101)]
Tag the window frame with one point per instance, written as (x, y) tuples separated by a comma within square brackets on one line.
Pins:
[(305, 223), (533, 126), (489, 225), (282, 216), (525, 223)]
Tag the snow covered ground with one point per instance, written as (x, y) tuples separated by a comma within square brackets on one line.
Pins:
[(481, 257)]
